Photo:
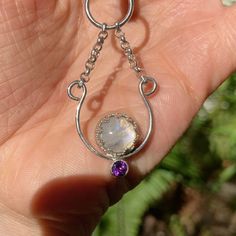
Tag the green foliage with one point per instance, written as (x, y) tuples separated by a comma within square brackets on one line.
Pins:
[(125, 217), (223, 139), (176, 227), (223, 132), (204, 159)]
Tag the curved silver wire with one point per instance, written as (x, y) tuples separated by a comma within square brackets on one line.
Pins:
[(71, 86), (147, 79), (69, 90), (90, 146), (109, 27)]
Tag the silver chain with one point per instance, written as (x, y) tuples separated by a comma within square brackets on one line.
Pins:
[(95, 52), (125, 45), (90, 63)]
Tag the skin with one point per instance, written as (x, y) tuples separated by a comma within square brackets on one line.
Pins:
[(50, 183)]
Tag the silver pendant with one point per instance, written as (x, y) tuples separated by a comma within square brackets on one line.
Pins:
[(117, 135)]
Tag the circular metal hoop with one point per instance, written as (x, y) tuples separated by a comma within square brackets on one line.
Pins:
[(109, 27)]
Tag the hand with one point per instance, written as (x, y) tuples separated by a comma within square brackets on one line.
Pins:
[(50, 183)]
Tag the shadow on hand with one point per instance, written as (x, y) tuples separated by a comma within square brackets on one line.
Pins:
[(73, 206), (70, 205)]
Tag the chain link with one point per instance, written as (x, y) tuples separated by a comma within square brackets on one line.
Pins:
[(95, 52), (125, 45), (90, 63)]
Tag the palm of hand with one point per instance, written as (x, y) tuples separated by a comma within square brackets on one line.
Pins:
[(46, 174)]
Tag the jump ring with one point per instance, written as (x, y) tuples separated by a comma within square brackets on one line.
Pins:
[(109, 27)]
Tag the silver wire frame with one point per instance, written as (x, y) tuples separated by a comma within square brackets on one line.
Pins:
[(78, 114)]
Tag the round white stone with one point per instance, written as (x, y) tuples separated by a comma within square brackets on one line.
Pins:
[(117, 134)]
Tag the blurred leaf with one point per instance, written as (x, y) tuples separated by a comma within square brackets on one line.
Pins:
[(176, 228), (124, 218), (228, 173), (223, 139)]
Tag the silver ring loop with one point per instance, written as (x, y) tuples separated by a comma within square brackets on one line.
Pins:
[(145, 80), (109, 27)]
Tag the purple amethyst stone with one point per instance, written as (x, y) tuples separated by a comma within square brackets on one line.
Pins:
[(119, 168)]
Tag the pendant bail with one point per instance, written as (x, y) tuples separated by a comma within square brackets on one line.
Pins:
[(109, 27)]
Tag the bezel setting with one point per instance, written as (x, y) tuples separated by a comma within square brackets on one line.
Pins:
[(102, 144), (119, 168)]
